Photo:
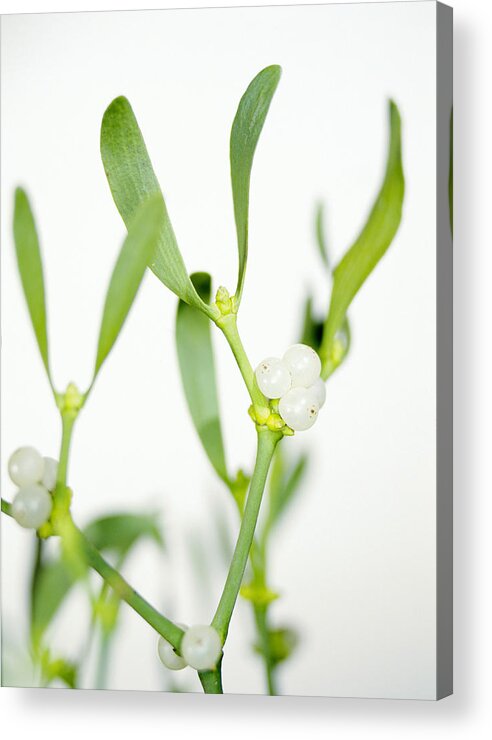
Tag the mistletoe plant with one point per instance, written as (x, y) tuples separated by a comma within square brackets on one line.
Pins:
[(286, 394)]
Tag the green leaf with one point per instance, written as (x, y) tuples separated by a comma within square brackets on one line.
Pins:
[(120, 532), (246, 130), (137, 250), (31, 270), (373, 241), (312, 328), (321, 236), (284, 484), (132, 180), (53, 584), (197, 366), (281, 644), (58, 669)]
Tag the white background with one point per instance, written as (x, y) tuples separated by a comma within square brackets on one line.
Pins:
[(363, 530), (465, 712)]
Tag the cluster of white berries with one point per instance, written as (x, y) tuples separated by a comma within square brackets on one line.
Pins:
[(36, 478), (200, 648), (295, 380)]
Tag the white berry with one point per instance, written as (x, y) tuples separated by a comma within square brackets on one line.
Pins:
[(26, 466), (299, 408), (50, 472), (303, 363), (273, 377), (168, 654), (31, 506), (201, 647), (319, 390)]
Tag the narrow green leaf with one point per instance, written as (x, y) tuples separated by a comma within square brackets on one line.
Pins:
[(246, 130), (321, 235), (312, 328), (31, 270), (132, 180), (373, 241), (128, 272), (284, 483), (120, 532), (53, 584), (197, 366)]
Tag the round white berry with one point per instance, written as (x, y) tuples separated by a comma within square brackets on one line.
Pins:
[(26, 466), (303, 363), (319, 390), (168, 654), (201, 647), (50, 472), (31, 506), (299, 408), (273, 377)]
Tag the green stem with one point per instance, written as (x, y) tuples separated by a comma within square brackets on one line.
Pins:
[(6, 508), (103, 660), (171, 632), (212, 680), (228, 326), (68, 421), (267, 442), (261, 619), (36, 570)]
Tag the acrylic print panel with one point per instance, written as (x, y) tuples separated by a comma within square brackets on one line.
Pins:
[(346, 588)]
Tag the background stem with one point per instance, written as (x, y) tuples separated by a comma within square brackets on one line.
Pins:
[(170, 631)]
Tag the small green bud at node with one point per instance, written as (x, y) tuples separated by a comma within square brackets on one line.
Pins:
[(275, 422), (71, 401), (223, 301)]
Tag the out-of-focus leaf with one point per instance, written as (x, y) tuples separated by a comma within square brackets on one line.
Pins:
[(284, 484), (312, 328), (31, 270), (197, 366), (373, 241), (246, 130), (281, 644), (120, 532), (132, 180), (137, 250), (339, 349), (58, 669), (321, 236), (239, 488), (53, 584)]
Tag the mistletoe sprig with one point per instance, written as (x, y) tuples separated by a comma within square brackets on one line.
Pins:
[(286, 394)]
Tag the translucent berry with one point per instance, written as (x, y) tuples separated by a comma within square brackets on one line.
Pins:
[(50, 472), (31, 506), (201, 647), (303, 363), (26, 466), (319, 389), (299, 408), (273, 377), (168, 654)]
